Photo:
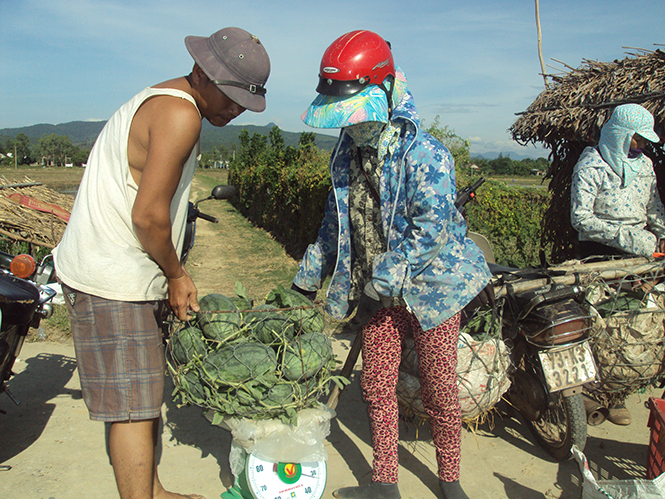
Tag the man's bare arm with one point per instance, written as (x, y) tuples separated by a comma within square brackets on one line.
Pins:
[(173, 126)]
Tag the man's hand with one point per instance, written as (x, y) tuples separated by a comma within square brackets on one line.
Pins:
[(183, 296)]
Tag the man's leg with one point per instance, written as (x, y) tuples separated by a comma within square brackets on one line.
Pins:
[(120, 357), (132, 448)]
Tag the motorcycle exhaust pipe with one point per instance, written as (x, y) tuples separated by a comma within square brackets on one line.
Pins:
[(595, 411)]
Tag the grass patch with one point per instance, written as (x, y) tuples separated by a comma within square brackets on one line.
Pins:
[(55, 328)]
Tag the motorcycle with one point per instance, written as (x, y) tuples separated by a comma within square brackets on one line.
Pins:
[(24, 301), (547, 329)]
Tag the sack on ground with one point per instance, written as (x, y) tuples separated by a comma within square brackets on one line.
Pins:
[(617, 489)]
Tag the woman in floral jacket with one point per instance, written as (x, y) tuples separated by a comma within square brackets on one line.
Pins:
[(396, 248)]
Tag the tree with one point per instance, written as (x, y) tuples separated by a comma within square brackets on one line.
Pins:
[(56, 149), (18, 149), (307, 139), (458, 147), (22, 149), (223, 153), (276, 139), (80, 156)]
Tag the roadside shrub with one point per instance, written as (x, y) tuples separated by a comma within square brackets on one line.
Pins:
[(510, 217), (282, 190)]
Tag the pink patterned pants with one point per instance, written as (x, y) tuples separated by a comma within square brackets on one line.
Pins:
[(437, 356)]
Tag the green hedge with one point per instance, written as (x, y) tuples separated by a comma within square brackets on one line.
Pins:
[(510, 217), (284, 191)]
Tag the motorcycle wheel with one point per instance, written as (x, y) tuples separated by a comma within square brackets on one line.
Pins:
[(561, 426)]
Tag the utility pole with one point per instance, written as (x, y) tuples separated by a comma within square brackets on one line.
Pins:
[(540, 45), (15, 160)]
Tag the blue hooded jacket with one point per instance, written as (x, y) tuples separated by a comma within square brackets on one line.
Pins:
[(429, 262)]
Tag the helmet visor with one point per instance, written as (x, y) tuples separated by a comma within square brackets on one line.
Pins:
[(330, 111), (371, 104), (340, 88)]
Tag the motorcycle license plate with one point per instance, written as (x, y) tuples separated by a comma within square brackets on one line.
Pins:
[(568, 367)]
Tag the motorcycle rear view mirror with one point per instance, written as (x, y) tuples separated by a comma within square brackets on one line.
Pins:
[(223, 192)]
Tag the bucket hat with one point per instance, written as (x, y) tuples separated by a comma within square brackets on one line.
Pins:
[(236, 62)]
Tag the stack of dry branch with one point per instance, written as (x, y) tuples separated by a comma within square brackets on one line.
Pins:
[(568, 116), (22, 223)]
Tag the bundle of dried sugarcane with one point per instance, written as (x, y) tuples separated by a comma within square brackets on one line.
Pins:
[(33, 213)]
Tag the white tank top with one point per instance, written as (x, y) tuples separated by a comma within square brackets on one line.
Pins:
[(99, 253)]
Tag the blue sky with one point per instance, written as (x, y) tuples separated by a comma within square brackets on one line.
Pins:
[(474, 63)]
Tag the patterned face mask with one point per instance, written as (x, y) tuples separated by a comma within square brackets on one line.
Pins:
[(366, 134)]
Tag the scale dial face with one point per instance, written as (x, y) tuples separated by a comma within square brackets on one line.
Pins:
[(268, 480)]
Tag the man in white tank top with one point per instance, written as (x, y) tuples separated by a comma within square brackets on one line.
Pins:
[(119, 258)]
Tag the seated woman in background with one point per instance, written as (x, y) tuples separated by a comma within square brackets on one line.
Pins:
[(615, 206)]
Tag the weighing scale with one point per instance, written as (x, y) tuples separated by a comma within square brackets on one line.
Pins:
[(270, 480)]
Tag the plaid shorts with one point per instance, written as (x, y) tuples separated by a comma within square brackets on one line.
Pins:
[(120, 356)]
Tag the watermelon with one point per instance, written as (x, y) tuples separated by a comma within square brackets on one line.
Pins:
[(239, 363), (309, 318), (268, 325), (187, 344), (280, 394), (219, 318), (305, 356), (241, 303), (192, 384)]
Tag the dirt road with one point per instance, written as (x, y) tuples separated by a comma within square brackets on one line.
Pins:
[(56, 453)]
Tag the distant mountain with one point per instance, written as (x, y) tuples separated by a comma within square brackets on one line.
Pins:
[(84, 134), (512, 155), (212, 136)]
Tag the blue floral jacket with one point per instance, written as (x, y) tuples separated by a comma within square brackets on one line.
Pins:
[(429, 262)]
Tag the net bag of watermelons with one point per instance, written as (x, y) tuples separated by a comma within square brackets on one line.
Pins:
[(260, 361), (482, 368), (627, 336)]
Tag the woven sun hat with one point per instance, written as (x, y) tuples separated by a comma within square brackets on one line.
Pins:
[(236, 62)]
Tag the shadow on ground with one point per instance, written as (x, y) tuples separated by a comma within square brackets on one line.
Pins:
[(44, 378), (188, 426), (608, 459)]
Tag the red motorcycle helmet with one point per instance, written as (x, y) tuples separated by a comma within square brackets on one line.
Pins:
[(353, 62)]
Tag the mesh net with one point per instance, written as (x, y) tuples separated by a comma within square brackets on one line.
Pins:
[(264, 361), (627, 334), (483, 361)]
